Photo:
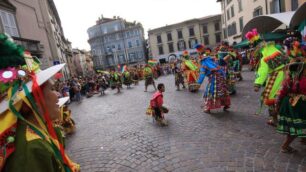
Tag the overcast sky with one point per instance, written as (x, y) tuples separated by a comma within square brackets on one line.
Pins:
[(78, 15)]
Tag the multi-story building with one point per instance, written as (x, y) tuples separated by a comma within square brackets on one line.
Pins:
[(115, 41), (171, 40), (36, 25), (236, 13), (82, 63)]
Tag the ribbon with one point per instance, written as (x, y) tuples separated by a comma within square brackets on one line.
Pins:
[(39, 98)]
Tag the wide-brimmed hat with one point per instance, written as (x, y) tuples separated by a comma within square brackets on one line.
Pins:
[(42, 76)]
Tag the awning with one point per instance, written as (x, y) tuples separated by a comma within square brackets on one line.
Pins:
[(265, 36), (242, 44), (268, 23), (299, 16)]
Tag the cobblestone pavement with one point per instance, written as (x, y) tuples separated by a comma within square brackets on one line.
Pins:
[(114, 134)]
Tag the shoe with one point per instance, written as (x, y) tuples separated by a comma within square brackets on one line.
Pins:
[(225, 108), (271, 123), (207, 111), (288, 150)]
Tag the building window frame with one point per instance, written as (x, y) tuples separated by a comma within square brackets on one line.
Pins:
[(180, 34), (206, 40), (218, 37), (181, 45), (205, 29), (257, 11), (232, 11), (217, 26), (8, 23), (191, 31), (241, 23), (159, 39), (294, 5), (171, 47), (240, 6), (169, 36), (160, 50)]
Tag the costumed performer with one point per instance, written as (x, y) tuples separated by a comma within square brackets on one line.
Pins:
[(28, 105), (216, 92)]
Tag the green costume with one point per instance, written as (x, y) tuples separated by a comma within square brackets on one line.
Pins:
[(32, 153), (270, 73)]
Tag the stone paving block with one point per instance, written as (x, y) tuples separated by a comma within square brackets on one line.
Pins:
[(114, 134)]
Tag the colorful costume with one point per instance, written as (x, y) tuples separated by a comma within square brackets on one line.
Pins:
[(156, 108), (190, 71), (127, 78), (216, 93), (148, 75), (270, 72), (179, 78), (292, 103), (115, 80), (28, 141)]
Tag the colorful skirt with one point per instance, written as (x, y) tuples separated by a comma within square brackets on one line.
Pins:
[(216, 93), (292, 119)]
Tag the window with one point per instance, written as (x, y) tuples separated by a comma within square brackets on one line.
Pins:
[(137, 43), (294, 4), (232, 11), (241, 23), (170, 46), (205, 30), (206, 40), (181, 45), (160, 50), (277, 6), (119, 47), (169, 36), (217, 27), (121, 58), (132, 57), (191, 31), (228, 14), (130, 44), (180, 34), (231, 29), (159, 40), (228, 1), (8, 23), (240, 5), (192, 43), (225, 32), (257, 11), (218, 37)]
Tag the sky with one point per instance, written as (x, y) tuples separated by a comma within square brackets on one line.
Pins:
[(78, 15)]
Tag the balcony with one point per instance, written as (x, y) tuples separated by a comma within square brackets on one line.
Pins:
[(33, 46)]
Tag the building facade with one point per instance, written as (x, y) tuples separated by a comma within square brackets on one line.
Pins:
[(115, 41), (171, 40), (236, 13), (36, 25), (82, 64)]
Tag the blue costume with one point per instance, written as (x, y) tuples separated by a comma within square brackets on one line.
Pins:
[(216, 93)]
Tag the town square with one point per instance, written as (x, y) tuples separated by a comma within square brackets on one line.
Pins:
[(143, 85)]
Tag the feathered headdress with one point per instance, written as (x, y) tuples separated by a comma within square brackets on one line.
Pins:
[(252, 36)]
